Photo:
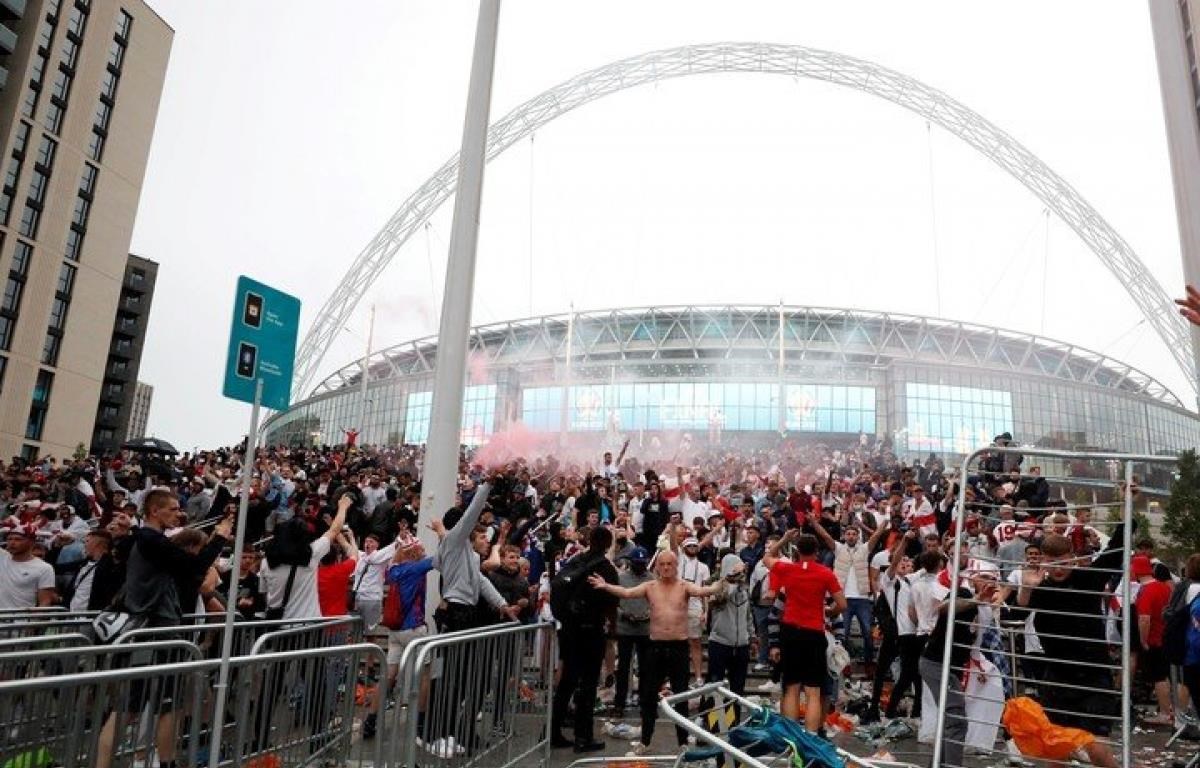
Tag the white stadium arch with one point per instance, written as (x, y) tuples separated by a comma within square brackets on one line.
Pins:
[(761, 58)]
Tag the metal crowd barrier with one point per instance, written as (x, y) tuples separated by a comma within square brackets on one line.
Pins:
[(65, 640), (24, 665), (42, 628), (246, 634), (289, 709), (1092, 688), (722, 698), (343, 630), (479, 697)]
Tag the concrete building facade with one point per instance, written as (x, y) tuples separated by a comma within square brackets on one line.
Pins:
[(77, 115), (1176, 26), (139, 410), (115, 413)]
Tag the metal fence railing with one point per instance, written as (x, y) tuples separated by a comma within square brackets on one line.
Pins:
[(288, 709), (280, 634), (75, 660), (716, 699), (1045, 611), (479, 697)]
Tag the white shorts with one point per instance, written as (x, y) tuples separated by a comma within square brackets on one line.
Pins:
[(695, 627), (371, 612), (399, 640)]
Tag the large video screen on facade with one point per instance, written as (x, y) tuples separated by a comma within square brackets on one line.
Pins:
[(947, 419)]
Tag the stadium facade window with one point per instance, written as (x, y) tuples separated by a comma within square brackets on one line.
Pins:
[(954, 419)]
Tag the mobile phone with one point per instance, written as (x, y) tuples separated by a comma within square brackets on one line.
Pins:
[(252, 311), (247, 361)]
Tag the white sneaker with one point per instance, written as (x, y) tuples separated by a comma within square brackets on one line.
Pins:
[(769, 687), (760, 667), (638, 750)]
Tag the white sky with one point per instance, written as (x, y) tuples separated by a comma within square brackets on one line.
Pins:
[(288, 135)]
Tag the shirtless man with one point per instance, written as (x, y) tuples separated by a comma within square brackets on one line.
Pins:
[(667, 657)]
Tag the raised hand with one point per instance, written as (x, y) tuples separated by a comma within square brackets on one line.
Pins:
[(1189, 306)]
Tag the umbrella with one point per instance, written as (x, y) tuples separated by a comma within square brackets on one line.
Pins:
[(150, 445)]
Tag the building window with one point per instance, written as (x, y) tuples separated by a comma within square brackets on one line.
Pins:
[(124, 25), (46, 152), (105, 435), (30, 218), (74, 243), (77, 20), (9, 191), (14, 287), (96, 146), (79, 219), (40, 405), (58, 315), (108, 86), (41, 57), (109, 412)]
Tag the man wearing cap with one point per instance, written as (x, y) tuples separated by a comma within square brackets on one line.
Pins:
[(25, 581), (694, 572), (199, 500), (633, 625)]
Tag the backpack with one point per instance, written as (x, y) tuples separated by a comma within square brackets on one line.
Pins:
[(1177, 617), (568, 586)]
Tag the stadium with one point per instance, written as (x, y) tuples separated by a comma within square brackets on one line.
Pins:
[(748, 374)]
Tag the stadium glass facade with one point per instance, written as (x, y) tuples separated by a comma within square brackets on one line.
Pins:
[(931, 386)]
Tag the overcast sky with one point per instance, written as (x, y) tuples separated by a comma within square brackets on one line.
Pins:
[(289, 134)]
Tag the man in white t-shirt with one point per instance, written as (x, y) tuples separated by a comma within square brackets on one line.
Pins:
[(25, 581), (1031, 667), (896, 588), (301, 601), (367, 582)]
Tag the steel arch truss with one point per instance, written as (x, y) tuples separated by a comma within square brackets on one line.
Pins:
[(748, 337), (762, 58)]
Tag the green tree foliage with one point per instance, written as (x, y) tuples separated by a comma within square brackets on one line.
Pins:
[(1181, 518)]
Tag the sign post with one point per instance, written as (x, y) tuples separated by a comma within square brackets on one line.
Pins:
[(258, 370)]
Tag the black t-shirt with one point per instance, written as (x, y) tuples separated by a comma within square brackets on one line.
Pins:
[(963, 637), (1072, 610), (596, 604)]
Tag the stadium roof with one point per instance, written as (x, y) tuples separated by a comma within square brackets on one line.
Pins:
[(738, 333)]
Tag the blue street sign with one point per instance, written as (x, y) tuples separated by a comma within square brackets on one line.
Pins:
[(262, 344)]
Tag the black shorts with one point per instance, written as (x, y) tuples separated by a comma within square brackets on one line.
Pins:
[(1153, 664), (802, 656)]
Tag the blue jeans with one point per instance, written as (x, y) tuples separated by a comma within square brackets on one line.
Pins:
[(760, 628), (859, 608)]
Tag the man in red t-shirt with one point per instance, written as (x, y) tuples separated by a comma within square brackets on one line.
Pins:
[(805, 584), (1152, 598)]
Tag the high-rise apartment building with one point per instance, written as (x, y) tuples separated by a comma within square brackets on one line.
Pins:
[(115, 414), (139, 410), (1176, 29), (77, 114)]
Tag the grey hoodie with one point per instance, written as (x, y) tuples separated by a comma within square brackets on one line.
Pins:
[(732, 622)]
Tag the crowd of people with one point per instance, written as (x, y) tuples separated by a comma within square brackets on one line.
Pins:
[(659, 575)]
